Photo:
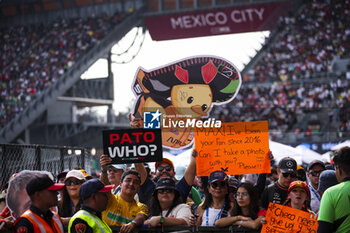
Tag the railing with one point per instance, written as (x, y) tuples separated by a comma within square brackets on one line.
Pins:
[(15, 158)]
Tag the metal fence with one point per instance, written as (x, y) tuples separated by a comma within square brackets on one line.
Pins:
[(15, 158)]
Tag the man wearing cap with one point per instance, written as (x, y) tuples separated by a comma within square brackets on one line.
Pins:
[(113, 173), (314, 170), (334, 213), (43, 195), (94, 195), (278, 191), (122, 209)]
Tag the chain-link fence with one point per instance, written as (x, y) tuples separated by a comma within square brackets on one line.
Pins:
[(15, 158)]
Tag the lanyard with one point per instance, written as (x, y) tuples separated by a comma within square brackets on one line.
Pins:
[(315, 192), (217, 216)]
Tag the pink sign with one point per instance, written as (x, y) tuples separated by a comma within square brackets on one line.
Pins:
[(216, 22)]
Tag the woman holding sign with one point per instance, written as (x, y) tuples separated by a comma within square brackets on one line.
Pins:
[(245, 211), (299, 196), (217, 201)]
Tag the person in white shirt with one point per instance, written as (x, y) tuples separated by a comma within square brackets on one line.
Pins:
[(314, 170), (166, 206)]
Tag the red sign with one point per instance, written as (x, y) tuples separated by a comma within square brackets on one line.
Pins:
[(216, 22)]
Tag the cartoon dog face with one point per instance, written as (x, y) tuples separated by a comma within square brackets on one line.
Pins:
[(192, 99)]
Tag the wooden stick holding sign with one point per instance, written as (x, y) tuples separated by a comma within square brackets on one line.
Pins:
[(235, 148), (133, 145), (282, 219)]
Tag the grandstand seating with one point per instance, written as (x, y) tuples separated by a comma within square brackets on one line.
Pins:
[(293, 72), (296, 70)]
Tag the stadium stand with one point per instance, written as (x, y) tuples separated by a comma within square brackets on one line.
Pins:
[(295, 75)]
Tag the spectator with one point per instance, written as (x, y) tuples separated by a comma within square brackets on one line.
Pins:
[(277, 192), (314, 169), (335, 206), (245, 211), (164, 168), (95, 198), (327, 180), (43, 195), (299, 196), (122, 209), (114, 173), (217, 201), (167, 208), (71, 202)]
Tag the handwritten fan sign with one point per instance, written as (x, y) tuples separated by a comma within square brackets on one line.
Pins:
[(235, 148), (281, 219), (133, 145)]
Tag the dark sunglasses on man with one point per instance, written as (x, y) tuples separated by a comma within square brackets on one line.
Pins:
[(316, 173), (161, 168), (161, 191), (291, 174)]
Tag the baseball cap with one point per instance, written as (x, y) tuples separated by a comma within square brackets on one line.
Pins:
[(41, 182), (62, 174), (165, 183), (119, 166), (327, 179), (93, 186), (165, 160), (299, 184), (75, 174), (233, 182), (287, 165), (217, 176), (314, 162)]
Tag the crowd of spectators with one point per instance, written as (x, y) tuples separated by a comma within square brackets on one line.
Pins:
[(303, 50), (284, 103), (307, 43), (34, 57)]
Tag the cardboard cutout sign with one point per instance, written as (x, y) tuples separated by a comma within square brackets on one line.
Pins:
[(17, 198), (181, 92), (133, 145), (235, 148), (281, 219)]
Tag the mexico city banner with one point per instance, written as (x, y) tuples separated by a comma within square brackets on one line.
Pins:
[(133, 145), (216, 22)]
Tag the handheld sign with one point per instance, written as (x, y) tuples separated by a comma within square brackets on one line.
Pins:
[(235, 148), (133, 145), (282, 219), (180, 93)]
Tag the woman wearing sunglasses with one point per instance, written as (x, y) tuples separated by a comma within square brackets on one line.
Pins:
[(299, 196), (166, 206), (245, 211), (70, 202), (217, 201)]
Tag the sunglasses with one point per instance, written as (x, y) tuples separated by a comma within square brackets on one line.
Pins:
[(113, 170), (220, 184), (292, 175), (161, 191), (71, 182), (242, 195), (316, 173), (167, 168)]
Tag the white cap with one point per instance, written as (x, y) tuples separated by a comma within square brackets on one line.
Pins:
[(120, 166), (75, 174)]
